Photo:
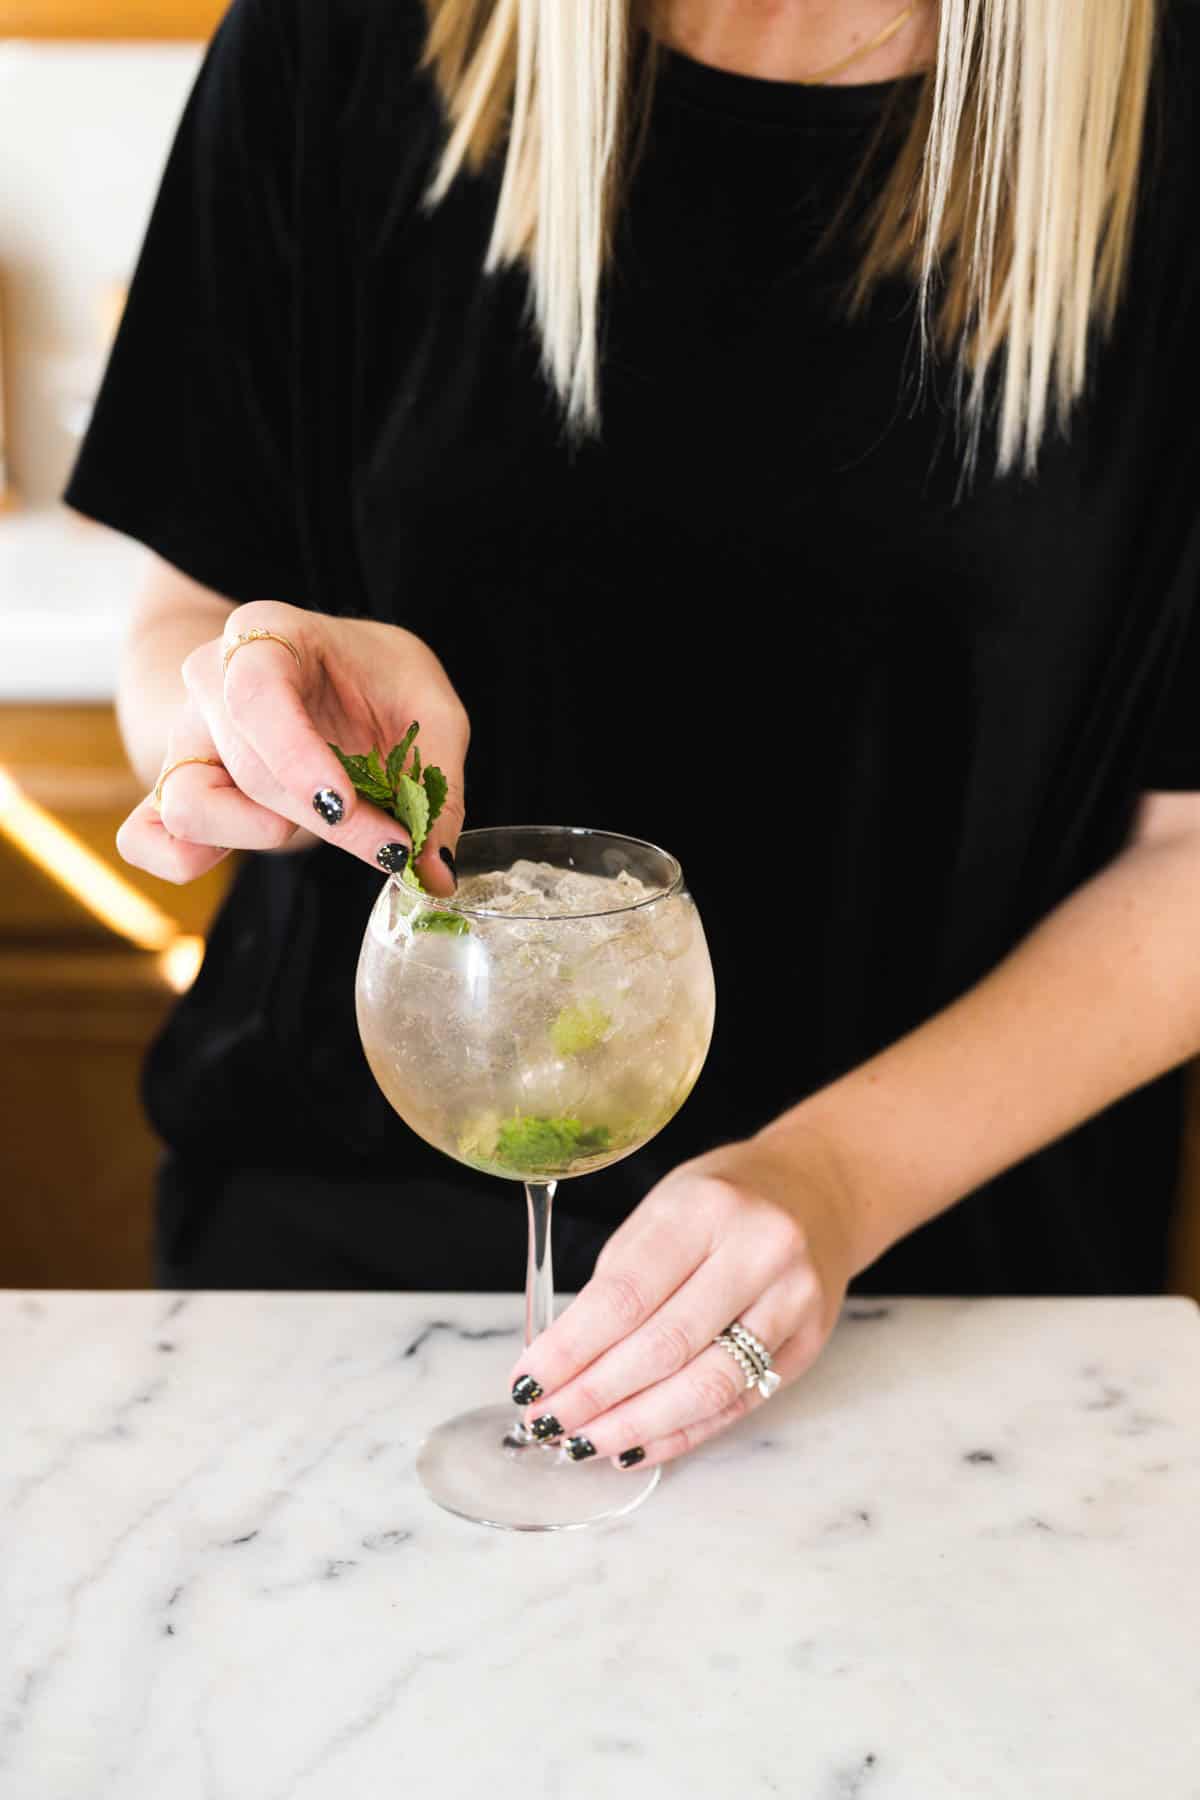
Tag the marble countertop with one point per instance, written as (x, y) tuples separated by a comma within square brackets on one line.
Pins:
[(961, 1558), (66, 590)]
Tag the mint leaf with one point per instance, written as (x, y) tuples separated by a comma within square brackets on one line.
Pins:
[(355, 766), (453, 923), (414, 799), (410, 804), (436, 787), (399, 753), (358, 768), (534, 1145)]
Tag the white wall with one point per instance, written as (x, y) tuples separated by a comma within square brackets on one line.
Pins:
[(84, 132)]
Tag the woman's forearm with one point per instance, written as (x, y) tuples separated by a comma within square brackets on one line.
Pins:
[(171, 619), (1100, 998)]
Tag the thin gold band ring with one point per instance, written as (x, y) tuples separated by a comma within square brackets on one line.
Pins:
[(257, 636), (213, 761)]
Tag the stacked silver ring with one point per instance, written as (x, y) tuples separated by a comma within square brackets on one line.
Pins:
[(752, 1357)]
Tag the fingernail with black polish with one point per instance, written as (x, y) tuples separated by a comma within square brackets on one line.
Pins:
[(393, 858), (525, 1389), (447, 857), (330, 806), (579, 1448), (627, 1458), (546, 1427)]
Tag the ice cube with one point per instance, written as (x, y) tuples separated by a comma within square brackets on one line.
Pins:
[(543, 890)]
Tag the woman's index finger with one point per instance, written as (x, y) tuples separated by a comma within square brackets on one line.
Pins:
[(266, 705), (615, 1303)]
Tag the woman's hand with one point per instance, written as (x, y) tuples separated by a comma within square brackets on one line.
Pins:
[(756, 1232), (268, 724)]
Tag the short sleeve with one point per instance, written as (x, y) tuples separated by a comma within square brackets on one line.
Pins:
[(189, 446), (1173, 761)]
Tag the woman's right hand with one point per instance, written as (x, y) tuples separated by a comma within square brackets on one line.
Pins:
[(269, 723)]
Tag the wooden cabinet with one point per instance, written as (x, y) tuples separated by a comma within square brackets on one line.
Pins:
[(78, 1006), (194, 19), (77, 1160)]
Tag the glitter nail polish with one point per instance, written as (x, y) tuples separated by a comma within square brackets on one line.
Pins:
[(628, 1458), (329, 805), (393, 858), (546, 1427), (579, 1448), (525, 1390)]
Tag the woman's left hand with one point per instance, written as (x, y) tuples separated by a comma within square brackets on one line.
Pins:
[(760, 1232)]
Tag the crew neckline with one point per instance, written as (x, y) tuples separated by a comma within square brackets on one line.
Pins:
[(759, 98)]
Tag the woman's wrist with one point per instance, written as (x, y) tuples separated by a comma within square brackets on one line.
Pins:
[(808, 1140)]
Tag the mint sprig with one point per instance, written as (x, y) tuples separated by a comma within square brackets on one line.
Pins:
[(414, 796), (535, 1144)]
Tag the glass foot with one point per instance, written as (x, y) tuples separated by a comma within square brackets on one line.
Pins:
[(472, 1466)]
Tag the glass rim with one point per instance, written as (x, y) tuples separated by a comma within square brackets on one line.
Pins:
[(449, 905)]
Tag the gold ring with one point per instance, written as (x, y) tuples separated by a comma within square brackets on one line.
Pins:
[(179, 762), (257, 636)]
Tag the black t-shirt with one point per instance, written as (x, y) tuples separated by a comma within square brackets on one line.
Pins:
[(884, 727)]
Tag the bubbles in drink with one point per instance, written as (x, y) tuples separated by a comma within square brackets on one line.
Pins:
[(555, 1034)]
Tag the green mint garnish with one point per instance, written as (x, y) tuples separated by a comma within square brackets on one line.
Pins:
[(579, 1027), (435, 788), (414, 796), (454, 923), (410, 804), (534, 1144)]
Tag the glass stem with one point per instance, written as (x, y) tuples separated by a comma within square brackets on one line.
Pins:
[(539, 1274), (539, 1287)]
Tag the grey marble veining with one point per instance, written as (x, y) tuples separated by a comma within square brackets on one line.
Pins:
[(961, 1558)]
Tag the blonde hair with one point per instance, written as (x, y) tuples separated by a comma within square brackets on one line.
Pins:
[(1009, 204)]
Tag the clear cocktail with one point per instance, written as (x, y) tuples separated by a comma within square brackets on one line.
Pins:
[(545, 1023)]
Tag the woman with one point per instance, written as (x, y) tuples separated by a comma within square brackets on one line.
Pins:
[(828, 517)]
